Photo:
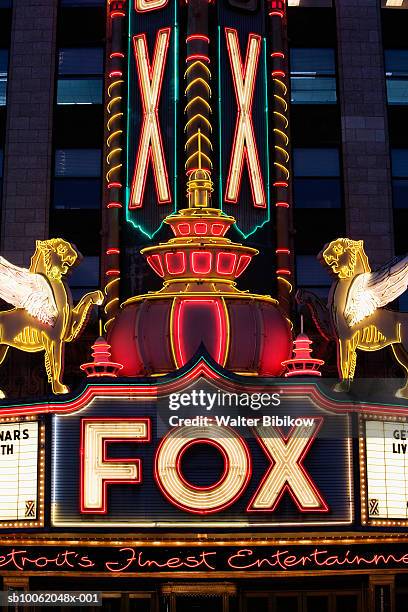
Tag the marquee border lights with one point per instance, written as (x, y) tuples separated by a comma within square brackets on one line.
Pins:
[(39, 521), (114, 156), (366, 520), (202, 368), (282, 183)]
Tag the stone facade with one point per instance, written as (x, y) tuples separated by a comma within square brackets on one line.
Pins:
[(28, 147), (366, 152)]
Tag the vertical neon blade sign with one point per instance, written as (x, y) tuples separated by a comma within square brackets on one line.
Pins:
[(244, 133), (151, 187)]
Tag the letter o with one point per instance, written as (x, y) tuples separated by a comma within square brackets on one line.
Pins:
[(202, 500)]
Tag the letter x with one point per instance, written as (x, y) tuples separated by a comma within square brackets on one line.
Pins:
[(286, 472), (150, 143), (244, 146)]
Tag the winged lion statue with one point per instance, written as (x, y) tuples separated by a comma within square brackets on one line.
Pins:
[(43, 317), (357, 303)]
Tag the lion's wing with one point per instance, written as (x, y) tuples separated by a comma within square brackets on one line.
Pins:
[(24, 289), (373, 290)]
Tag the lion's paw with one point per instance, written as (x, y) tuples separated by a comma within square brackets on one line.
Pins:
[(342, 387), (402, 393)]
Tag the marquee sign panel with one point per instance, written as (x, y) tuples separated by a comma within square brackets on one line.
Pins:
[(21, 473), (386, 465), (119, 462)]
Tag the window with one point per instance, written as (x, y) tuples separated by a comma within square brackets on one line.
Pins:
[(84, 277), (316, 178), (5, 4), (396, 70), (3, 76), (312, 275), (77, 182), (399, 167), (313, 76), (80, 73)]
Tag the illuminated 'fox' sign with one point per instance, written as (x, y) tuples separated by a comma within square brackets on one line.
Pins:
[(284, 453)]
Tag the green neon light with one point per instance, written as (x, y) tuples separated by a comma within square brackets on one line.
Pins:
[(175, 35)]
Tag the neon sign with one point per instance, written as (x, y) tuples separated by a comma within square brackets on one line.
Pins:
[(144, 467), (150, 76), (244, 147), (146, 561)]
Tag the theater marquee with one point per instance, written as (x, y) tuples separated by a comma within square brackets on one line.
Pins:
[(21, 472), (118, 462)]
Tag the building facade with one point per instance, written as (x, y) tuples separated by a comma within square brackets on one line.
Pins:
[(253, 133)]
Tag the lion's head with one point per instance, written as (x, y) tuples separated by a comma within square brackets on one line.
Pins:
[(341, 256), (59, 256)]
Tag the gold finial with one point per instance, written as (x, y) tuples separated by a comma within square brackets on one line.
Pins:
[(199, 185)]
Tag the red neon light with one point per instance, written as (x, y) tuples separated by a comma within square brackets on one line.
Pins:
[(115, 14), (220, 332), (226, 263), (190, 170), (243, 263), (276, 14), (278, 73), (280, 184), (150, 131), (113, 251), (201, 228), (302, 371), (106, 482), (202, 37), (117, 54), (201, 262), (218, 229), (282, 204), (201, 369), (114, 205), (299, 461), (175, 262), (115, 73), (115, 184), (184, 229), (112, 272), (244, 114), (283, 271), (155, 262), (278, 54), (282, 251), (198, 56)]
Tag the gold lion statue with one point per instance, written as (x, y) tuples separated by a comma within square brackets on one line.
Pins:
[(43, 317), (356, 304)]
